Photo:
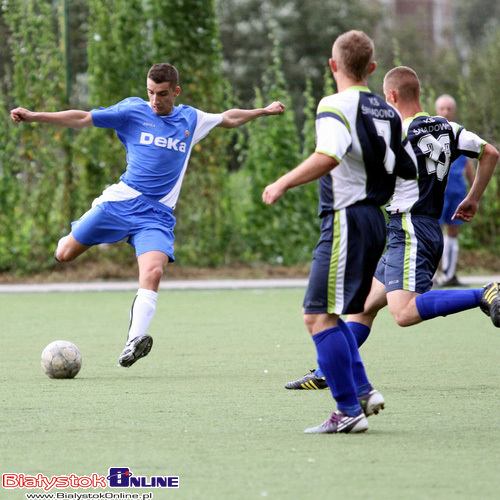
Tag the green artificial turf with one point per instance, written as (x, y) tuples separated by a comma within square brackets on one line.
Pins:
[(208, 403)]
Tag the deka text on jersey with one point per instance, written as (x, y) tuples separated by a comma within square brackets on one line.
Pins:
[(163, 142)]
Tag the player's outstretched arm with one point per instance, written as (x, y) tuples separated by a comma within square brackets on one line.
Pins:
[(468, 207), (71, 118), (233, 118), (314, 167)]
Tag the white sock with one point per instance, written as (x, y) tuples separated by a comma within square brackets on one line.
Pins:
[(445, 259), (142, 312), (453, 257), (450, 257)]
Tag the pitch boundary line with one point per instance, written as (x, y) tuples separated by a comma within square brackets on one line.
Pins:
[(207, 284)]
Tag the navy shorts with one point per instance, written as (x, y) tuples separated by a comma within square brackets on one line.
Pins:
[(451, 202), (344, 260), (414, 249), (147, 224)]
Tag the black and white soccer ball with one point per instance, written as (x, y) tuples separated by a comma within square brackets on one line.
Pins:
[(61, 359)]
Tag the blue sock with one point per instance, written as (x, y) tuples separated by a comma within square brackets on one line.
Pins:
[(358, 368), (443, 302), (360, 331), (334, 359)]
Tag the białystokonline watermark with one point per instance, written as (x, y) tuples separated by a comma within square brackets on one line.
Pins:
[(118, 477)]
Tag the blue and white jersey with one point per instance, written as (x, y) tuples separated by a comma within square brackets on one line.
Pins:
[(436, 143), (364, 134), (158, 147)]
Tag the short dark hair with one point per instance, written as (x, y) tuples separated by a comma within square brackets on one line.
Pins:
[(164, 72)]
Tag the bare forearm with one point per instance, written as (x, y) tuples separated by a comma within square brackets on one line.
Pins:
[(71, 118), (236, 117), (233, 118), (484, 172), (314, 167), (311, 169)]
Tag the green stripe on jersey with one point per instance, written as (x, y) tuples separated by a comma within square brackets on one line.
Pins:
[(335, 157), (328, 109), (406, 268), (334, 262), (361, 88), (482, 150)]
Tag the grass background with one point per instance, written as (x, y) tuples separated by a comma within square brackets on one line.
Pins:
[(208, 403)]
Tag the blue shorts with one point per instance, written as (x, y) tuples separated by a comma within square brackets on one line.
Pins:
[(147, 224), (451, 202), (414, 248), (344, 260)]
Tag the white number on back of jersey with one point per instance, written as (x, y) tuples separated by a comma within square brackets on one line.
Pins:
[(432, 149), (383, 128)]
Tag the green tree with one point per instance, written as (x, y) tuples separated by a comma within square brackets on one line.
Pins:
[(284, 233), (305, 31), (34, 184), (479, 106), (474, 19)]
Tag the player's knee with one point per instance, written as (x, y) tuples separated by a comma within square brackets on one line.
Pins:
[(316, 323), (367, 317), (403, 319), (372, 308), (62, 256), (153, 274), (68, 249), (309, 322), (63, 252)]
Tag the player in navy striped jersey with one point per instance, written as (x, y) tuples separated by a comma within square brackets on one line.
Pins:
[(415, 243), (404, 275), (359, 151), (158, 137)]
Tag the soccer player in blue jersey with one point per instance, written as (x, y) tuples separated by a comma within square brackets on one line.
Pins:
[(359, 152), (456, 190), (403, 279), (158, 137)]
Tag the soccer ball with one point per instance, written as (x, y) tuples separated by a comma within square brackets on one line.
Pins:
[(61, 359)]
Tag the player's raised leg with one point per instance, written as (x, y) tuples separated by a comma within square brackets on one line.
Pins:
[(410, 308)]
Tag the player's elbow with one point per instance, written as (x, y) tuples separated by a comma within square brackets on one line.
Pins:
[(228, 122), (85, 121), (491, 153)]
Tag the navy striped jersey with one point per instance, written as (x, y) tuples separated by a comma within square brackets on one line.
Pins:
[(158, 147), (436, 143), (364, 134)]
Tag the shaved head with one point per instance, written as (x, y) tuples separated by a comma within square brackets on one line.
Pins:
[(404, 81)]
